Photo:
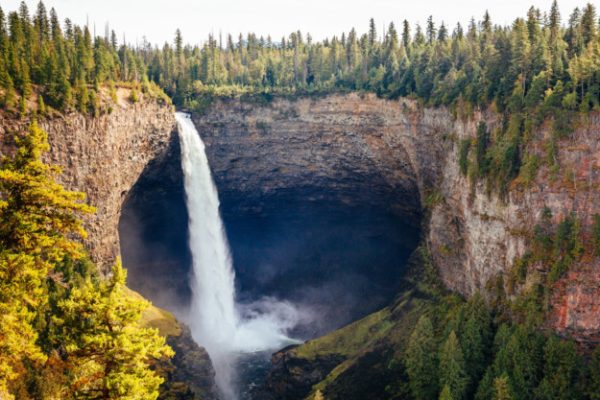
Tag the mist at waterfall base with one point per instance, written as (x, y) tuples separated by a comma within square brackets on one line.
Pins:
[(225, 328)]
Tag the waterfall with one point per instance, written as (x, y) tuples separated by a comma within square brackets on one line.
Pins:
[(218, 324)]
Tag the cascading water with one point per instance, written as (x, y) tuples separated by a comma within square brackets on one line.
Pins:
[(223, 327)]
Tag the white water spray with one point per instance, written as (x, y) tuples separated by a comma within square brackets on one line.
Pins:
[(214, 318)]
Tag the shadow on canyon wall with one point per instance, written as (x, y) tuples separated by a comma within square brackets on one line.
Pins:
[(337, 261)]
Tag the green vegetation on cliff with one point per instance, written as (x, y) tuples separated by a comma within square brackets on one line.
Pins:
[(64, 331), (431, 344)]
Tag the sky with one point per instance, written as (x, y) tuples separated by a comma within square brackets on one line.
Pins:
[(157, 20)]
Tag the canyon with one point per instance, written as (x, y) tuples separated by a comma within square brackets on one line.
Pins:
[(297, 171), (396, 155)]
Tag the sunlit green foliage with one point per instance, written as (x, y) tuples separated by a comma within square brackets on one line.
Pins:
[(532, 65), (64, 332)]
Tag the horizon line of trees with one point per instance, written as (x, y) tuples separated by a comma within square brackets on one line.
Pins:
[(537, 59), (60, 62)]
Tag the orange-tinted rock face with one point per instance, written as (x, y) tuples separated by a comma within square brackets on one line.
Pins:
[(577, 304), (104, 157)]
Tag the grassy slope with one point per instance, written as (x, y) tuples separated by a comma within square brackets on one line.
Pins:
[(373, 348), (154, 317)]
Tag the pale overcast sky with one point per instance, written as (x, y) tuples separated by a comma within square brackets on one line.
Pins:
[(158, 19)]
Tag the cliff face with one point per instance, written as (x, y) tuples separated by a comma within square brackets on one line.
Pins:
[(104, 157), (338, 149), (353, 149), (474, 235)]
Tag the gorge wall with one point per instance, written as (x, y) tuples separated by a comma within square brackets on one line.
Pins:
[(103, 157), (395, 155), (357, 150), (378, 171)]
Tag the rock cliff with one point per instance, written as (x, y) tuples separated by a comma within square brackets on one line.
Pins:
[(103, 157), (358, 151), (353, 149)]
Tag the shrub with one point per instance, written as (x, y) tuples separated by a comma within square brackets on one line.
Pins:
[(463, 155)]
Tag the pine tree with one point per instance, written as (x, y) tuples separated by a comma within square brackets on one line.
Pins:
[(560, 371), (473, 349), (521, 60), (452, 368), (431, 31), (41, 23), (22, 107), (446, 394), (82, 95), (94, 327), (37, 221), (178, 44), (9, 98), (94, 106), (420, 360), (442, 34), (107, 351), (554, 22), (372, 33), (593, 388), (502, 388), (406, 35), (41, 106), (588, 24)]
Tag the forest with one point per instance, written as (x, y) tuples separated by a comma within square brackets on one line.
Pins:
[(536, 65), (544, 66)]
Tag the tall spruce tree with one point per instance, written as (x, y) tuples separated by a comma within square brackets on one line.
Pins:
[(421, 360), (452, 368)]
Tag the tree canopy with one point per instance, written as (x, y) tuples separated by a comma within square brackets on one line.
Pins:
[(64, 332)]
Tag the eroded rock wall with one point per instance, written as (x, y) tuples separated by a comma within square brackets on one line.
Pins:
[(103, 157), (395, 154), (474, 236), (347, 149)]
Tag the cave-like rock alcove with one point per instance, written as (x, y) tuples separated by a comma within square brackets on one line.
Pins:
[(336, 248)]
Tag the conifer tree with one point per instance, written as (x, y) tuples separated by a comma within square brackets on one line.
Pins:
[(594, 368), (41, 106), (502, 388), (420, 360), (87, 344), (372, 33), (473, 349), (107, 351), (446, 394), (452, 368), (588, 24), (431, 30), (37, 219), (560, 371)]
